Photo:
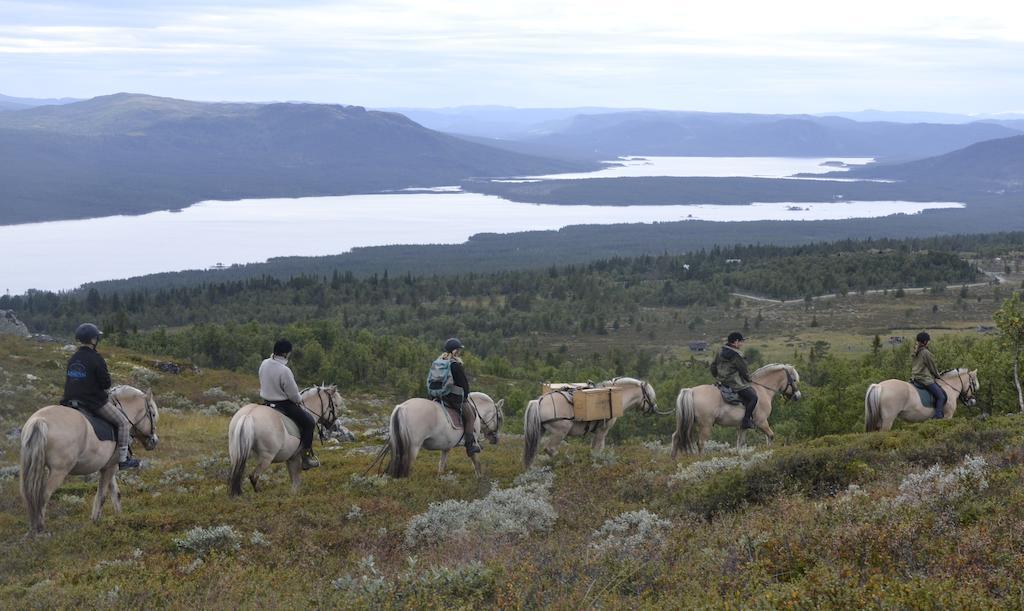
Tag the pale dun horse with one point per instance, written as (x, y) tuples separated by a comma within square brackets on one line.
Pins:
[(422, 423), (58, 441), (886, 401), (699, 408), (259, 432), (553, 414)]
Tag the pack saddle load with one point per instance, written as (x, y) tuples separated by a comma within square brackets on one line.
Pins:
[(589, 403)]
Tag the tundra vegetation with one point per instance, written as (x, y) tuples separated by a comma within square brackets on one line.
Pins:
[(924, 516)]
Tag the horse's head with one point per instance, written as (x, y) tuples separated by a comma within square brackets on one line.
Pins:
[(779, 379), (140, 409), (969, 393), (642, 396), (491, 415), (323, 401)]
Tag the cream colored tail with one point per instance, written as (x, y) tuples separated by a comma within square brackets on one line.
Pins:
[(683, 438), (240, 441), (33, 471), (532, 429), (872, 409)]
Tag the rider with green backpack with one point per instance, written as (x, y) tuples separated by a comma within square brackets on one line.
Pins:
[(447, 382)]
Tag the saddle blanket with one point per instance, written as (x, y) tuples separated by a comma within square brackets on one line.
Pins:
[(927, 399), (454, 416), (103, 429), (729, 395)]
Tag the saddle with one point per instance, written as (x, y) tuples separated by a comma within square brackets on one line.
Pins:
[(927, 399), (289, 424), (729, 395), (454, 415), (104, 430)]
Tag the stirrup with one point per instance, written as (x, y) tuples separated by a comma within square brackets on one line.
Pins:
[(309, 461)]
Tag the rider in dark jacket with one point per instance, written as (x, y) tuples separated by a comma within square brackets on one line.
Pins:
[(730, 370), (459, 397), (86, 383)]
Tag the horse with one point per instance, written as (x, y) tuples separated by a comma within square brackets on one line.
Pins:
[(422, 423), (260, 431), (891, 399), (58, 441), (701, 407), (553, 413)]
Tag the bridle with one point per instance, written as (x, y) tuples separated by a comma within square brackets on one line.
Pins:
[(149, 415), (647, 404), (971, 385), (326, 417), (788, 391), (489, 428)]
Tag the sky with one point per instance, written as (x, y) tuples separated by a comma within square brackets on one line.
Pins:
[(711, 55)]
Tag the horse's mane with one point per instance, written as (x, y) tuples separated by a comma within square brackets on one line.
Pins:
[(125, 389), (958, 371), (620, 380), (773, 367)]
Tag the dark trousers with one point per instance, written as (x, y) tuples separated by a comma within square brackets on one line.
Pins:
[(938, 394), (749, 397), (301, 417)]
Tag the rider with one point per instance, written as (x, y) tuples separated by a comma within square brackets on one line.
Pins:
[(85, 387), (458, 398), (730, 369), (924, 373), (279, 390)]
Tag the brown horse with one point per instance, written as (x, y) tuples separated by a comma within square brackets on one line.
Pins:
[(262, 430), (553, 414), (58, 441), (886, 401), (701, 407)]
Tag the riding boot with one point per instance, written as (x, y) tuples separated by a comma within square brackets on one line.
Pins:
[(309, 460), (749, 405), (127, 462), (469, 428)]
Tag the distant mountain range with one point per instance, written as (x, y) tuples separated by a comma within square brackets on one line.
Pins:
[(130, 154), (12, 103), (603, 133), (991, 166)]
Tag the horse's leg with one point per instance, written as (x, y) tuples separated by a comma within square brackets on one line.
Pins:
[(261, 466), (741, 438), (106, 475), (769, 434), (598, 443), (476, 464), (53, 481), (442, 465), (555, 438), (888, 418), (703, 434), (294, 469), (115, 495)]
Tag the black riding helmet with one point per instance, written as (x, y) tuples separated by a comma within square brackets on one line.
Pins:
[(735, 336), (453, 344), (923, 337), (86, 332)]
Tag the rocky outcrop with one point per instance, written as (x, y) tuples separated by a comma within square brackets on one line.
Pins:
[(10, 325)]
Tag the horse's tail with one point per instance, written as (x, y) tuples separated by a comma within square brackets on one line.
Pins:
[(532, 428), (872, 409), (33, 471), (401, 445), (686, 420), (240, 440)]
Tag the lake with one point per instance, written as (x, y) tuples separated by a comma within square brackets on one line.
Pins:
[(720, 167), (64, 254)]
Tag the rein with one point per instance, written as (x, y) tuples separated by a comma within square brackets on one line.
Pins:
[(790, 386), (322, 418), (135, 424)]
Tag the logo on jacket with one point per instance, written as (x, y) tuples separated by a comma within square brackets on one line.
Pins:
[(77, 371)]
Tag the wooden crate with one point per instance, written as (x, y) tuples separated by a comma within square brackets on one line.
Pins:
[(597, 403)]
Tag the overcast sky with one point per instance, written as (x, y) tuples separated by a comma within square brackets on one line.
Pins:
[(714, 55)]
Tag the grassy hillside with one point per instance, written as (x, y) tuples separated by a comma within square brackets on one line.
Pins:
[(847, 521)]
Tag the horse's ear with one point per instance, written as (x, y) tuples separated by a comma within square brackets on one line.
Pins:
[(500, 403), (149, 394)]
